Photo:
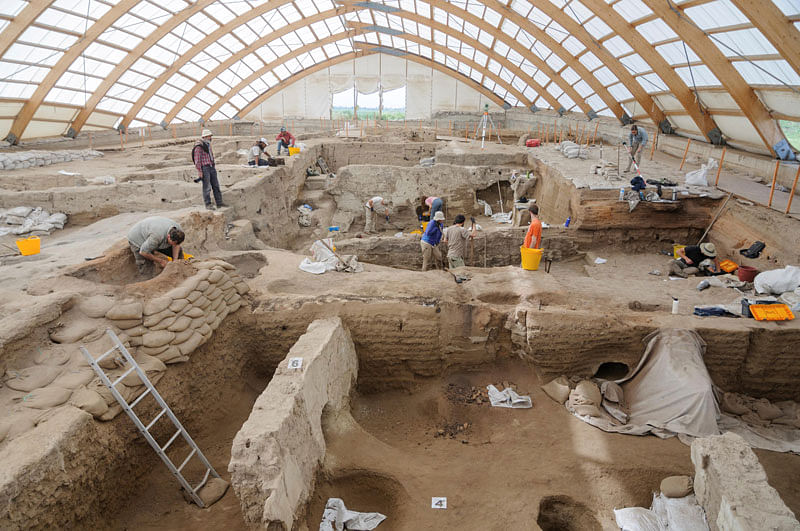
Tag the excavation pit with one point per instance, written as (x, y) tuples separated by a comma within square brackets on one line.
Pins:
[(411, 426)]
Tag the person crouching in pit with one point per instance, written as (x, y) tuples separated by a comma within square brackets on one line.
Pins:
[(152, 240)]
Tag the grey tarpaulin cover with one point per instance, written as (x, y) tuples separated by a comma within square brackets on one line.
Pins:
[(507, 398), (669, 392), (337, 517)]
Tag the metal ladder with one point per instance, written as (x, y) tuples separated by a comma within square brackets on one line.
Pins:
[(165, 410)]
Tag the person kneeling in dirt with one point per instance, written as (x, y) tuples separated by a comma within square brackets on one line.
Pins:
[(456, 237), (694, 260), (152, 239), (258, 151), (430, 242)]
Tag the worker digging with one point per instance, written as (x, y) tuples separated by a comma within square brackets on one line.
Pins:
[(439, 279)]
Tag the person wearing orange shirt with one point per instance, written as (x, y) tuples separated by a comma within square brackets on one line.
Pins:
[(534, 235)]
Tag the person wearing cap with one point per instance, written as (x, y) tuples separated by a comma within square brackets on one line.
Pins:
[(638, 140), (430, 242), (456, 237), (533, 238), (285, 139), (258, 150), (435, 204), (376, 204), (203, 158), (153, 239), (695, 259)]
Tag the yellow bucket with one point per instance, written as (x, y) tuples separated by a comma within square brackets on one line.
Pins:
[(293, 151), (29, 246), (675, 250), (186, 256), (530, 258), (424, 226)]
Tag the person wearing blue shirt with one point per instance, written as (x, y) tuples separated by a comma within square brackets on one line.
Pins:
[(430, 242), (638, 140)]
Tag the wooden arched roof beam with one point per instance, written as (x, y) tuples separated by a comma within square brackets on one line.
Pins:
[(677, 87), (547, 40), (70, 55), (352, 55), (777, 28), (334, 38), (744, 96), (230, 61), (578, 31), (212, 37), (133, 56), (21, 22)]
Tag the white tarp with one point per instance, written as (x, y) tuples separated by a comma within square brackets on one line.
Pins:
[(338, 517), (665, 514), (669, 392)]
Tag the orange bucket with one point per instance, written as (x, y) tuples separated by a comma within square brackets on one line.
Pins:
[(29, 246)]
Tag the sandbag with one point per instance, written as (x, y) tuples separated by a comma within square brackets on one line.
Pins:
[(235, 306), (136, 331), (589, 392), (182, 336), (242, 288), (612, 392), (203, 303), (778, 281), (557, 389), (89, 401), (204, 329), (32, 378), (204, 286), (189, 346), (732, 403), (211, 317), (152, 351), (216, 276), (202, 274), (676, 486), (154, 319), (215, 294), (193, 296), (17, 424), (587, 410), (151, 366), (766, 411), (20, 211), (172, 355), (157, 338), (212, 491), (74, 378), (95, 306), (73, 331), (110, 413), (100, 388), (214, 262), (164, 324), (178, 305), (194, 312), (226, 286), (135, 341), (180, 324), (637, 519), (131, 310), (45, 397), (183, 291), (157, 305), (127, 324), (100, 347), (53, 355)]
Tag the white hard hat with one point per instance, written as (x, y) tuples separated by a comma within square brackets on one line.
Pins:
[(439, 216), (207, 132), (263, 141)]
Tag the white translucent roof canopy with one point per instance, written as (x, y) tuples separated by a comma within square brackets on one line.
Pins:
[(711, 69)]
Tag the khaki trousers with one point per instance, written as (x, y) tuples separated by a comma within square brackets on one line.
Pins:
[(634, 148), (369, 217), (431, 256)]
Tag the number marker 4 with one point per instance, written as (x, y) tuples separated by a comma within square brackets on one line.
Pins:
[(438, 503)]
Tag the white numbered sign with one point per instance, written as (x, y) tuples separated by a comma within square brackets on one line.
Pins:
[(295, 363), (438, 503)]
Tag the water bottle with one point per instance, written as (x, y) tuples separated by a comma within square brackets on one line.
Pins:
[(622, 194), (674, 194), (674, 306), (566, 223)]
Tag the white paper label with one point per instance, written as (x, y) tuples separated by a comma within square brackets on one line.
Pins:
[(295, 363), (438, 503)]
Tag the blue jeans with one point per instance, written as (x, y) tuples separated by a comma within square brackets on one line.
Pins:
[(436, 206), (210, 182), (282, 145), (261, 162)]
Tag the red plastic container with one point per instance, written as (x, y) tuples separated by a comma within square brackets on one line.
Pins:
[(747, 273), (533, 142)]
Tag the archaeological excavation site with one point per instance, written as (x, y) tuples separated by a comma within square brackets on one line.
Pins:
[(399, 265)]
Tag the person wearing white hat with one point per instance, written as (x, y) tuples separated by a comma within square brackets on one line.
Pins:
[(258, 150), (203, 158), (695, 259), (430, 242)]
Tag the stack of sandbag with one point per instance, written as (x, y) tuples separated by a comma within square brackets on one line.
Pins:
[(24, 219), (172, 326), (761, 412), (28, 159), (571, 150)]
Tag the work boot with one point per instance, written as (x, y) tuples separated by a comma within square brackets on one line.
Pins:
[(222, 205), (676, 270), (210, 207)]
